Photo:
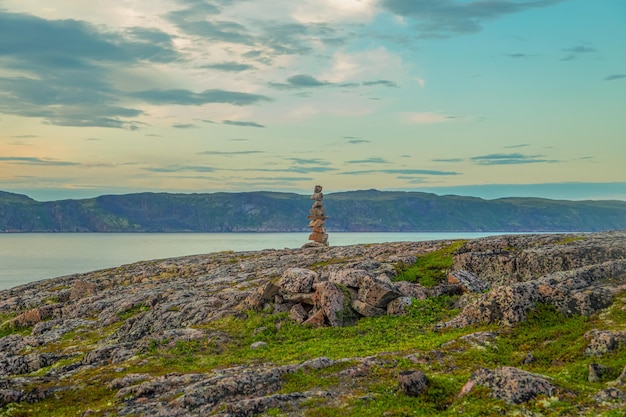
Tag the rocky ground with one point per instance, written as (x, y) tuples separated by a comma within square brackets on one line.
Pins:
[(519, 324)]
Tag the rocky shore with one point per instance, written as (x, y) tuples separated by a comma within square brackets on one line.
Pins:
[(328, 331)]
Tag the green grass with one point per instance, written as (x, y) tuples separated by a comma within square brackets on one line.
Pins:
[(431, 268), (400, 343)]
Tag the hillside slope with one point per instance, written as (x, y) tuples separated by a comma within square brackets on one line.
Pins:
[(356, 211)]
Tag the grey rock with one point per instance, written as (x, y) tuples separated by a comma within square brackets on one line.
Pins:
[(510, 384), (468, 281), (413, 383), (597, 372), (331, 301), (413, 290), (604, 341), (297, 280), (367, 310), (348, 277), (610, 394), (298, 313), (377, 292), (258, 345), (400, 306)]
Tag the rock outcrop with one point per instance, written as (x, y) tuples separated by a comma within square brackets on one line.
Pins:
[(103, 328)]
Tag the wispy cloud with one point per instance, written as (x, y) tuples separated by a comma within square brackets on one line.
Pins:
[(401, 172), (373, 160), (429, 117), (184, 126), (510, 159), (441, 18), (614, 77), (180, 168), (309, 161), (576, 51), (232, 153), (242, 123), (24, 160), (230, 66), (187, 97), (448, 160), (520, 55), (357, 141)]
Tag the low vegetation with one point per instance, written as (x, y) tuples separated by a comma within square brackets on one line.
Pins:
[(554, 341), (429, 269)]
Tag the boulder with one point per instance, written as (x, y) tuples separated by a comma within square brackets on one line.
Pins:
[(413, 383), (82, 289), (331, 301), (376, 292), (400, 306), (316, 320), (259, 297), (597, 371), (348, 277), (296, 280), (411, 289), (604, 341), (610, 394), (367, 310), (510, 384), (468, 281), (298, 313)]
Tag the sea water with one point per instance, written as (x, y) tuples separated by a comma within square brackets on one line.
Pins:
[(27, 257)]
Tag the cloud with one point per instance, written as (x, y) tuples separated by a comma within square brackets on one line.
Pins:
[(385, 83), (22, 160), (231, 67), (510, 159), (429, 117), (576, 51), (233, 153), (448, 160), (402, 172), (180, 168), (443, 18), (241, 123), (520, 55), (184, 126), (521, 145), (309, 161), (374, 160), (300, 81), (64, 66), (614, 77), (187, 97), (357, 141)]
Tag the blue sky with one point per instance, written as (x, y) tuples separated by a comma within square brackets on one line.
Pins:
[(489, 98)]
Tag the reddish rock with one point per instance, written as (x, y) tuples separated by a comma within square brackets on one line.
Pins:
[(331, 301), (297, 280), (376, 292), (316, 320), (367, 310)]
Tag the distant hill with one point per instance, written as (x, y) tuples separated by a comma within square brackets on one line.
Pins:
[(354, 211)]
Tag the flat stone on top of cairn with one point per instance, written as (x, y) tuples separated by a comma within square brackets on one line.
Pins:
[(318, 236)]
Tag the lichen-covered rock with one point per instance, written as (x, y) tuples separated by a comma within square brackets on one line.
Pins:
[(331, 301), (258, 298), (510, 384), (610, 394), (367, 310), (400, 306), (296, 280), (82, 289), (413, 383), (604, 341), (298, 313), (468, 281), (411, 289), (572, 292), (377, 292), (597, 372), (348, 277)]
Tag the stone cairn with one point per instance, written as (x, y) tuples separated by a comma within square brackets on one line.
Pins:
[(318, 237)]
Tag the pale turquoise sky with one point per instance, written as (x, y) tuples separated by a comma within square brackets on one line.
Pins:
[(489, 98)]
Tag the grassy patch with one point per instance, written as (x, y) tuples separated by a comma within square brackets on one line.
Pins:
[(133, 311), (569, 239), (430, 268)]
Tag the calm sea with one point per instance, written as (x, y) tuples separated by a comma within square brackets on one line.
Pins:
[(27, 257)]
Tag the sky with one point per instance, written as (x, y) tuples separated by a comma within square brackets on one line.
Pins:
[(488, 98)]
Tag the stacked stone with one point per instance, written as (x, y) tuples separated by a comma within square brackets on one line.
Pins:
[(317, 219)]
